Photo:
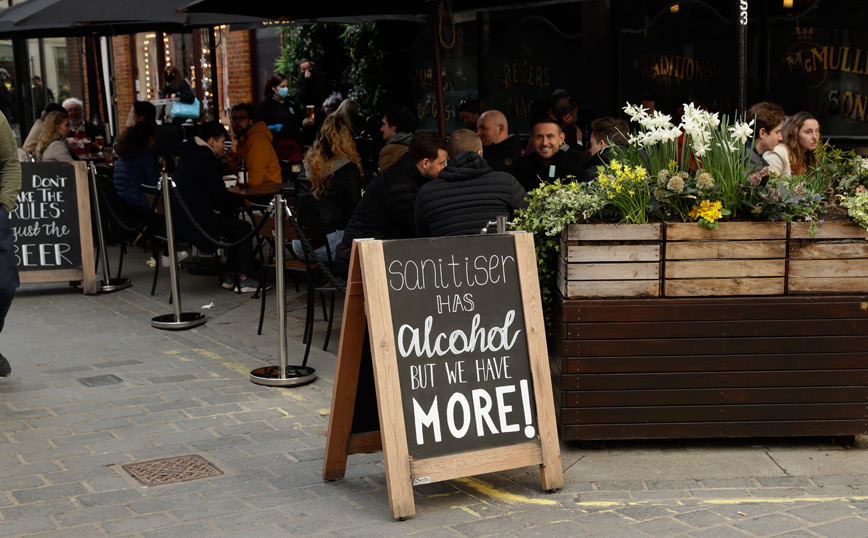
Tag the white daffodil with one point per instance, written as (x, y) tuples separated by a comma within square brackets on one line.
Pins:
[(741, 131)]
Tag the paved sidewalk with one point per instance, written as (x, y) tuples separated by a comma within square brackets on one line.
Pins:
[(62, 444)]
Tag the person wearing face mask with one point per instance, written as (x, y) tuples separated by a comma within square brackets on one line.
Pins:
[(283, 116), (253, 144)]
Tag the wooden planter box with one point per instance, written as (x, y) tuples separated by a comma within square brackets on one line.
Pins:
[(834, 261), (740, 258), (711, 367), (610, 260)]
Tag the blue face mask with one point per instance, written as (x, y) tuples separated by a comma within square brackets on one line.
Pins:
[(282, 92)]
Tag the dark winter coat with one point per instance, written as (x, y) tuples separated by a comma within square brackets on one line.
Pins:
[(335, 207), (465, 197), (502, 156), (199, 180), (131, 171), (530, 170), (386, 210)]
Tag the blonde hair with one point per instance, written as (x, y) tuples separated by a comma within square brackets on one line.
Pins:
[(800, 159), (49, 131), (332, 142)]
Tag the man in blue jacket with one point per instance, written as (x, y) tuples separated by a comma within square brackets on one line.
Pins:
[(199, 180)]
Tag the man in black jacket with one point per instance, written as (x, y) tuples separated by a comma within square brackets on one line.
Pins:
[(386, 210), (548, 162), (500, 150), (605, 132), (199, 179), (467, 194)]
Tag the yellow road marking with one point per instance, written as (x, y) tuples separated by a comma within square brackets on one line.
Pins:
[(468, 510), (743, 500), (494, 493)]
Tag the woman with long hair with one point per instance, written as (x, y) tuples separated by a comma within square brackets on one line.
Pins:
[(52, 146), (136, 166), (795, 155), (175, 87), (283, 116), (333, 188)]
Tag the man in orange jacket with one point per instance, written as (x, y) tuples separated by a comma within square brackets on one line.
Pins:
[(253, 144)]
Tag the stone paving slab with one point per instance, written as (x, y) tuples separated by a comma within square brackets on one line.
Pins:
[(62, 444)]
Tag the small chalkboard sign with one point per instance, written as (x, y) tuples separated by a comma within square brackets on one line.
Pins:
[(460, 363), (51, 225)]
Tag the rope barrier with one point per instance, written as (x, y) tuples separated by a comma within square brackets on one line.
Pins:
[(210, 239), (103, 197), (339, 283)]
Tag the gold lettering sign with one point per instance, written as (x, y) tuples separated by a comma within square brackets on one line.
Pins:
[(681, 67), (523, 73), (829, 58)]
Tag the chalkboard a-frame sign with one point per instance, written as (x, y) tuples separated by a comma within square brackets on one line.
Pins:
[(460, 364), (51, 225)]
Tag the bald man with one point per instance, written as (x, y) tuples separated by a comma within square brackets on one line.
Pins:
[(499, 149)]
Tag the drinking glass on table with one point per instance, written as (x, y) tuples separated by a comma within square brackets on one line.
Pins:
[(310, 113), (161, 163), (109, 154), (99, 142)]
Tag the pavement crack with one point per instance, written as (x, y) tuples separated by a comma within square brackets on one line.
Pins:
[(778, 464)]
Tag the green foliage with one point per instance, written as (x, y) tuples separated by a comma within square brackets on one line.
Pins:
[(857, 205), (368, 52), (300, 42), (551, 208)]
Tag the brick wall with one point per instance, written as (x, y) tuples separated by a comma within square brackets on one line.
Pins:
[(240, 64), (124, 83)]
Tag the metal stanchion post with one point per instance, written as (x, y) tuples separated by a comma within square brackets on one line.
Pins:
[(107, 284), (282, 375), (177, 320)]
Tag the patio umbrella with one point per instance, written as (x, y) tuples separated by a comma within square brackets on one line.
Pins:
[(363, 11)]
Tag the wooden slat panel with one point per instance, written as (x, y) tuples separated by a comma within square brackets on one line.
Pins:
[(714, 328), (561, 283), (725, 269), (716, 429), (613, 232), (712, 413), (716, 346), (713, 363), (828, 251), (828, 268), (706, 287), (828, 285), (613, 253), (804, 378), (725, 250), (613, 271), (829, 230), (56, 275), (686, 231), (612, 288), (478, 462), (617, 398), (723, 308)]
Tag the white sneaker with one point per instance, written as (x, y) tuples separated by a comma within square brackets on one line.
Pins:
[(179, 256)]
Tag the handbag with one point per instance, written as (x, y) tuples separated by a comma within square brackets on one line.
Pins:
[(188, 111)]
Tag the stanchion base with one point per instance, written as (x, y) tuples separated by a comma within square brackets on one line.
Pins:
[(187, 320), (114, 284), (295, 376)]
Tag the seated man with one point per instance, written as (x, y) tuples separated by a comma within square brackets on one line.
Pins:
[(397, 128), (547, 162), (467, 194), (604, 132), (768, 120), (80, 128), (500, 150), (199, 180), (386, 210), (166, 136), (253, 144)]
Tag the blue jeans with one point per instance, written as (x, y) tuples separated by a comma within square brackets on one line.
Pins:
[(333, 239)]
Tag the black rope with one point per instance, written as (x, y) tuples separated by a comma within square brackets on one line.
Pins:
[(339, 283), (210, 239), (103, 197)]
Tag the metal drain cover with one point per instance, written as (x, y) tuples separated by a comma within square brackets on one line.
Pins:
[(171, 470), (100, 380)]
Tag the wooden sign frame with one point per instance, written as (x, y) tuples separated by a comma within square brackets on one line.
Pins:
[(87, 274), (367, 305)]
